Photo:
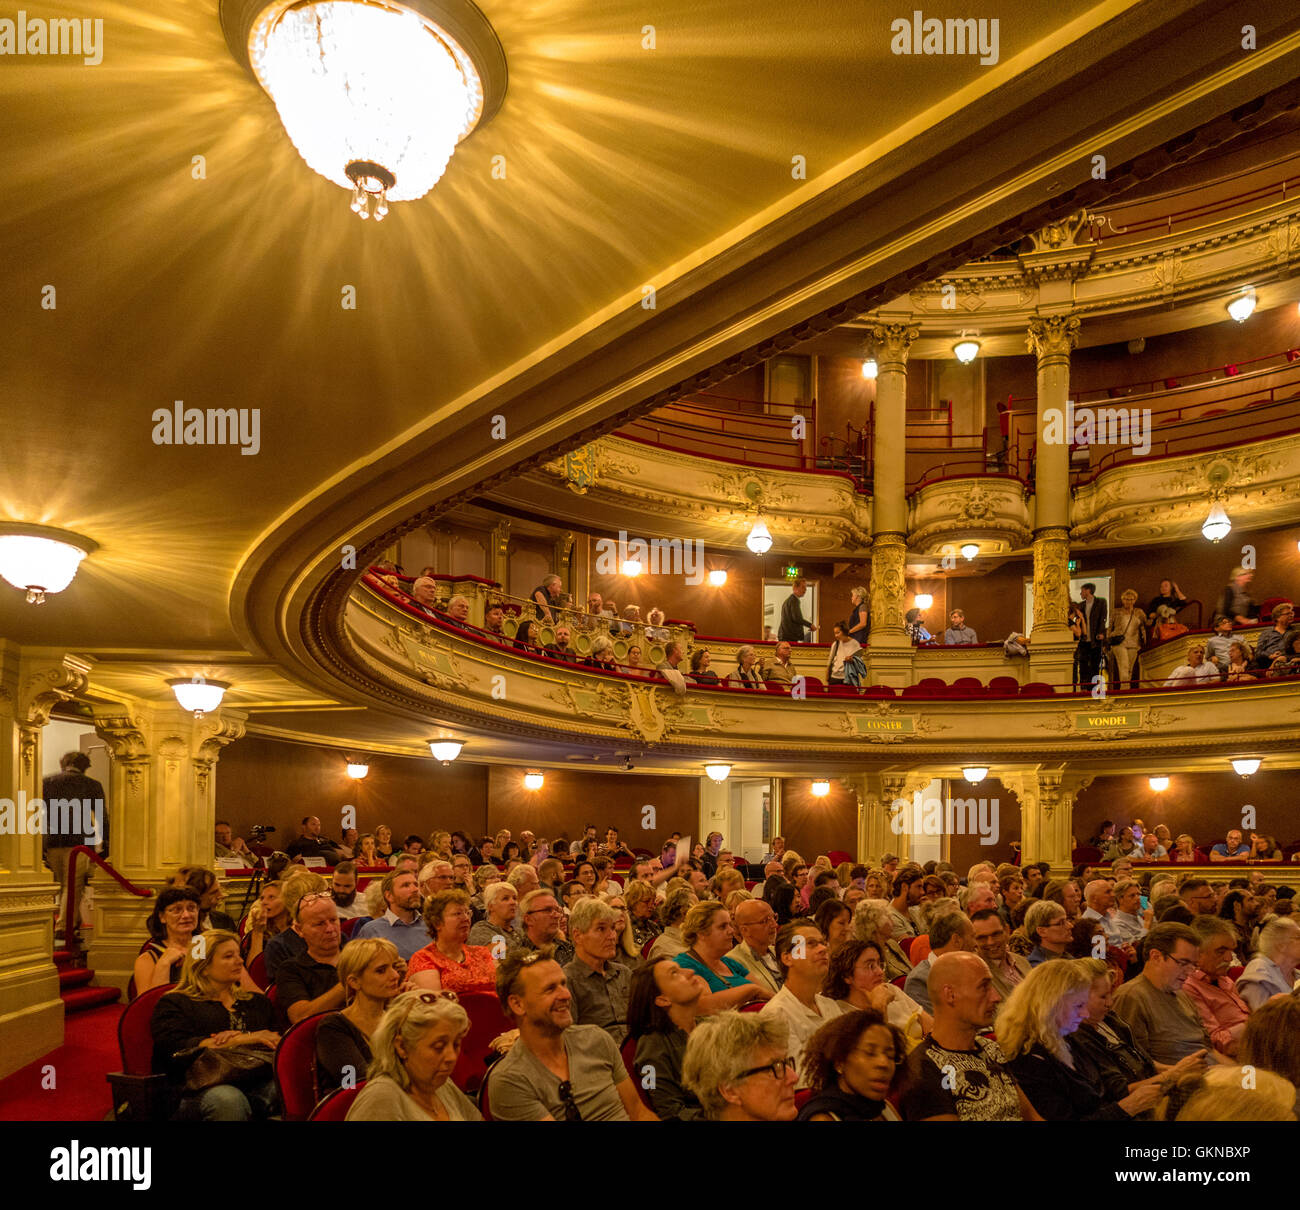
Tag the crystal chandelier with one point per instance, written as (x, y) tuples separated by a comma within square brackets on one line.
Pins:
[(375, 96)]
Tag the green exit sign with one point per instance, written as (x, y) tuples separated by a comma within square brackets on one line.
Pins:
[(791, 572), (1073, 566)]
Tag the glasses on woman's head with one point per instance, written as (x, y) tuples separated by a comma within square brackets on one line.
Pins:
[(776, 1070)]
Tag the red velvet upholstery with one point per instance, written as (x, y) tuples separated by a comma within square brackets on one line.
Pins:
[(295, 1068), (134, 1037), (486, 1021), (334, 1108), (905, 944), (628, 1051), (346, 926), (838, 857), (1004, 684), (883, 692), (754, 1006), (257, 971), (1085, 855), (802, 1097), (1037, 689)]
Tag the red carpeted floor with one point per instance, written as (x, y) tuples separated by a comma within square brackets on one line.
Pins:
[(80, 1092)]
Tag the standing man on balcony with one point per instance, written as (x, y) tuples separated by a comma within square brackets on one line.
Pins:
[(66, 829), (1092, 633), (794, 627)]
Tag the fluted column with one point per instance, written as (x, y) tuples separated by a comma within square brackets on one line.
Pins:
[(1052, 646), (890, 649), (31, 1013), (161, 813)]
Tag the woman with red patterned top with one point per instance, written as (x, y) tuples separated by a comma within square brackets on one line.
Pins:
[(449, 963)]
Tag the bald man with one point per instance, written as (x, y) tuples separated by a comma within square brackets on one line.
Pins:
[(956, 1075), (756, 922)]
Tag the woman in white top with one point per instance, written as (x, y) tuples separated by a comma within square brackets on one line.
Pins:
[(415, 1050), (842, 649), (856, 979), (1196, 669)]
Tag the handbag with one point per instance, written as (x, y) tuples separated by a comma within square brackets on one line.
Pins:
[(242, 1066)]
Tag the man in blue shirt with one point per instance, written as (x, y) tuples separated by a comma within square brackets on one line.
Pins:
[(402, 924), (1231, 848)]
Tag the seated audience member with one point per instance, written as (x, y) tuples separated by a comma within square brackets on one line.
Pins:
[(855, 979), (370, 974), (1229, 1094), (957, 1074), (207, 886), (416, 1047), (528, 637), (1231, 848), (309, 983), (1219, 645), (524, 878), (543, 923), (1068, 893), (755, 921), (1184, 851), (801, 950), (1195, 671), (958, 632), (950, 933), (1099, 895), (1007, 967), (1034, 1029), (229, 847), (501, 905), (1160, 1015), (289, 943), (670, 943), (708, 936), (384, 843), (1274, 641), (209, 1010), (737, 1066), (873, 921), (1240, 909), (914, 625), (494, 616), (601, 657), (267, 918), (1198, 895), (1268, 1042), (562, 649), (171, 925), (556, 1071), (749, 674), (670, 667), (642, 908), (835, 919), (1127, 920), (909, 886), (1238, 667), (626, 949), (663, 1006), (401, 923), (1287, 662), (343, 890), (1048, 926), (852, 1063), (311, 843), (780, 671), (413, 845), (367, 856), (436, 874), (598, 985), (1222, 1011), (1271, 972), (449, 962)]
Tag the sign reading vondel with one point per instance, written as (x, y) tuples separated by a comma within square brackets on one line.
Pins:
[(1108, 722)]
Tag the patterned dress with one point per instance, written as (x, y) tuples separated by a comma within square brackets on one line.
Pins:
[(476, 974)]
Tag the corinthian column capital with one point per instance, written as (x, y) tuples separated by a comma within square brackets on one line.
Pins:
[(1051, 338), (891, 342)]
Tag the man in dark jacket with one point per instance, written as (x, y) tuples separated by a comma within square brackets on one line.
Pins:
[(1093, 634), (794, 628), (75, 815)]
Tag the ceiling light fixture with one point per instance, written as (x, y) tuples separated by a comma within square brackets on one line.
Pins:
[(717, 771), (1244, 766), (1242, 307), (39, 559), (966, 350), (375, 97), (760, 538), (445, 750), (1216, 526), (870, 369), (1158, 784), (969, 551), (975, 774), (820, 787), (198, 695), (717, 577), (533, 780), (358, 770)]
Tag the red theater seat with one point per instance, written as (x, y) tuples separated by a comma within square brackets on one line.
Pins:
[(138, 1094), (295, 1068), (969, 686), (334, 1108), (1037, 689), (1004, 684), (257, 971), (486, 1021), (879, 692)]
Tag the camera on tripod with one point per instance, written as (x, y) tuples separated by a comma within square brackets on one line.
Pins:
[(259, 831)]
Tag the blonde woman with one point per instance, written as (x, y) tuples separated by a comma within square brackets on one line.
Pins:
[(626, 949), (210, 1010), (1032, 1027), (859, 620), (370, 972), (1197, 670), (415, 1049), (1230, 1094), (440, 845), (1127, 634)]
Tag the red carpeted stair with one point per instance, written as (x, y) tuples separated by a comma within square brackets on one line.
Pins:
[(74, 984)]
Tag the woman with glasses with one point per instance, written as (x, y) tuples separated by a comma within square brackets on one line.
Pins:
[(1048, 927), (172, 923), (855, 980), (448, 962), (852, 1063), (737, 1067), (370, 973), (416, 1048), (872, 922)]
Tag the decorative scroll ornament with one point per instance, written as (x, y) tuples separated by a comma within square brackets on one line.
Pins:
[(1051, 578), (888, 583)]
